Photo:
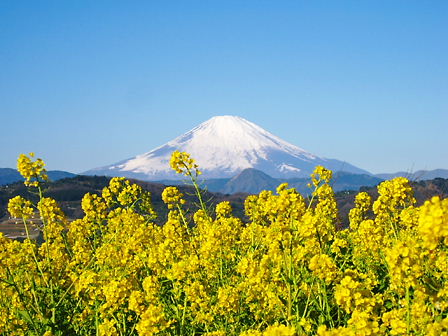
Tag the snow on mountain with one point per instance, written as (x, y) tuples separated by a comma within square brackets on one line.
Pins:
[(224, 146)]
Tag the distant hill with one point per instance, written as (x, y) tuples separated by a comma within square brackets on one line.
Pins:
[(419, 175), (55, 175), (346, 181), (251, 181), (9, 175)]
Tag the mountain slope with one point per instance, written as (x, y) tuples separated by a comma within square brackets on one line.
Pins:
[(223, 147), (9, 175)]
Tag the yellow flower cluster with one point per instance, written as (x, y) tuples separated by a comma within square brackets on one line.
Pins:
[(285, 268), (172, 197), (223, 209), (354, 291), (182, 163), (433, 222), (363, 203), (34, 172), (19, 207), (394, 196), (321, 174), (323, 267), (273, 330), (404, 260)]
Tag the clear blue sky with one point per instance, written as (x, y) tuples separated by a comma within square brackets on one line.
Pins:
[(88, 83)]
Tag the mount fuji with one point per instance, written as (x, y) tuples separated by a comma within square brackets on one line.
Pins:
[(224, 146)]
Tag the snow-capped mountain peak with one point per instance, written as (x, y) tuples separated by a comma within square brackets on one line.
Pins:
[(222, 147)]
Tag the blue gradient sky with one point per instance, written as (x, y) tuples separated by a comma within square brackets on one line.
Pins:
[(88, 83)]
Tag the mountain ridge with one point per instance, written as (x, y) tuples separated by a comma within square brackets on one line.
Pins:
[(253, 181), (10, 175), (419, 175)]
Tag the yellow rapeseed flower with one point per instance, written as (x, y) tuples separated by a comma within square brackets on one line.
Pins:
[(182, 163), (433, 222), (172, 197), (19, 207), (34, 172)]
